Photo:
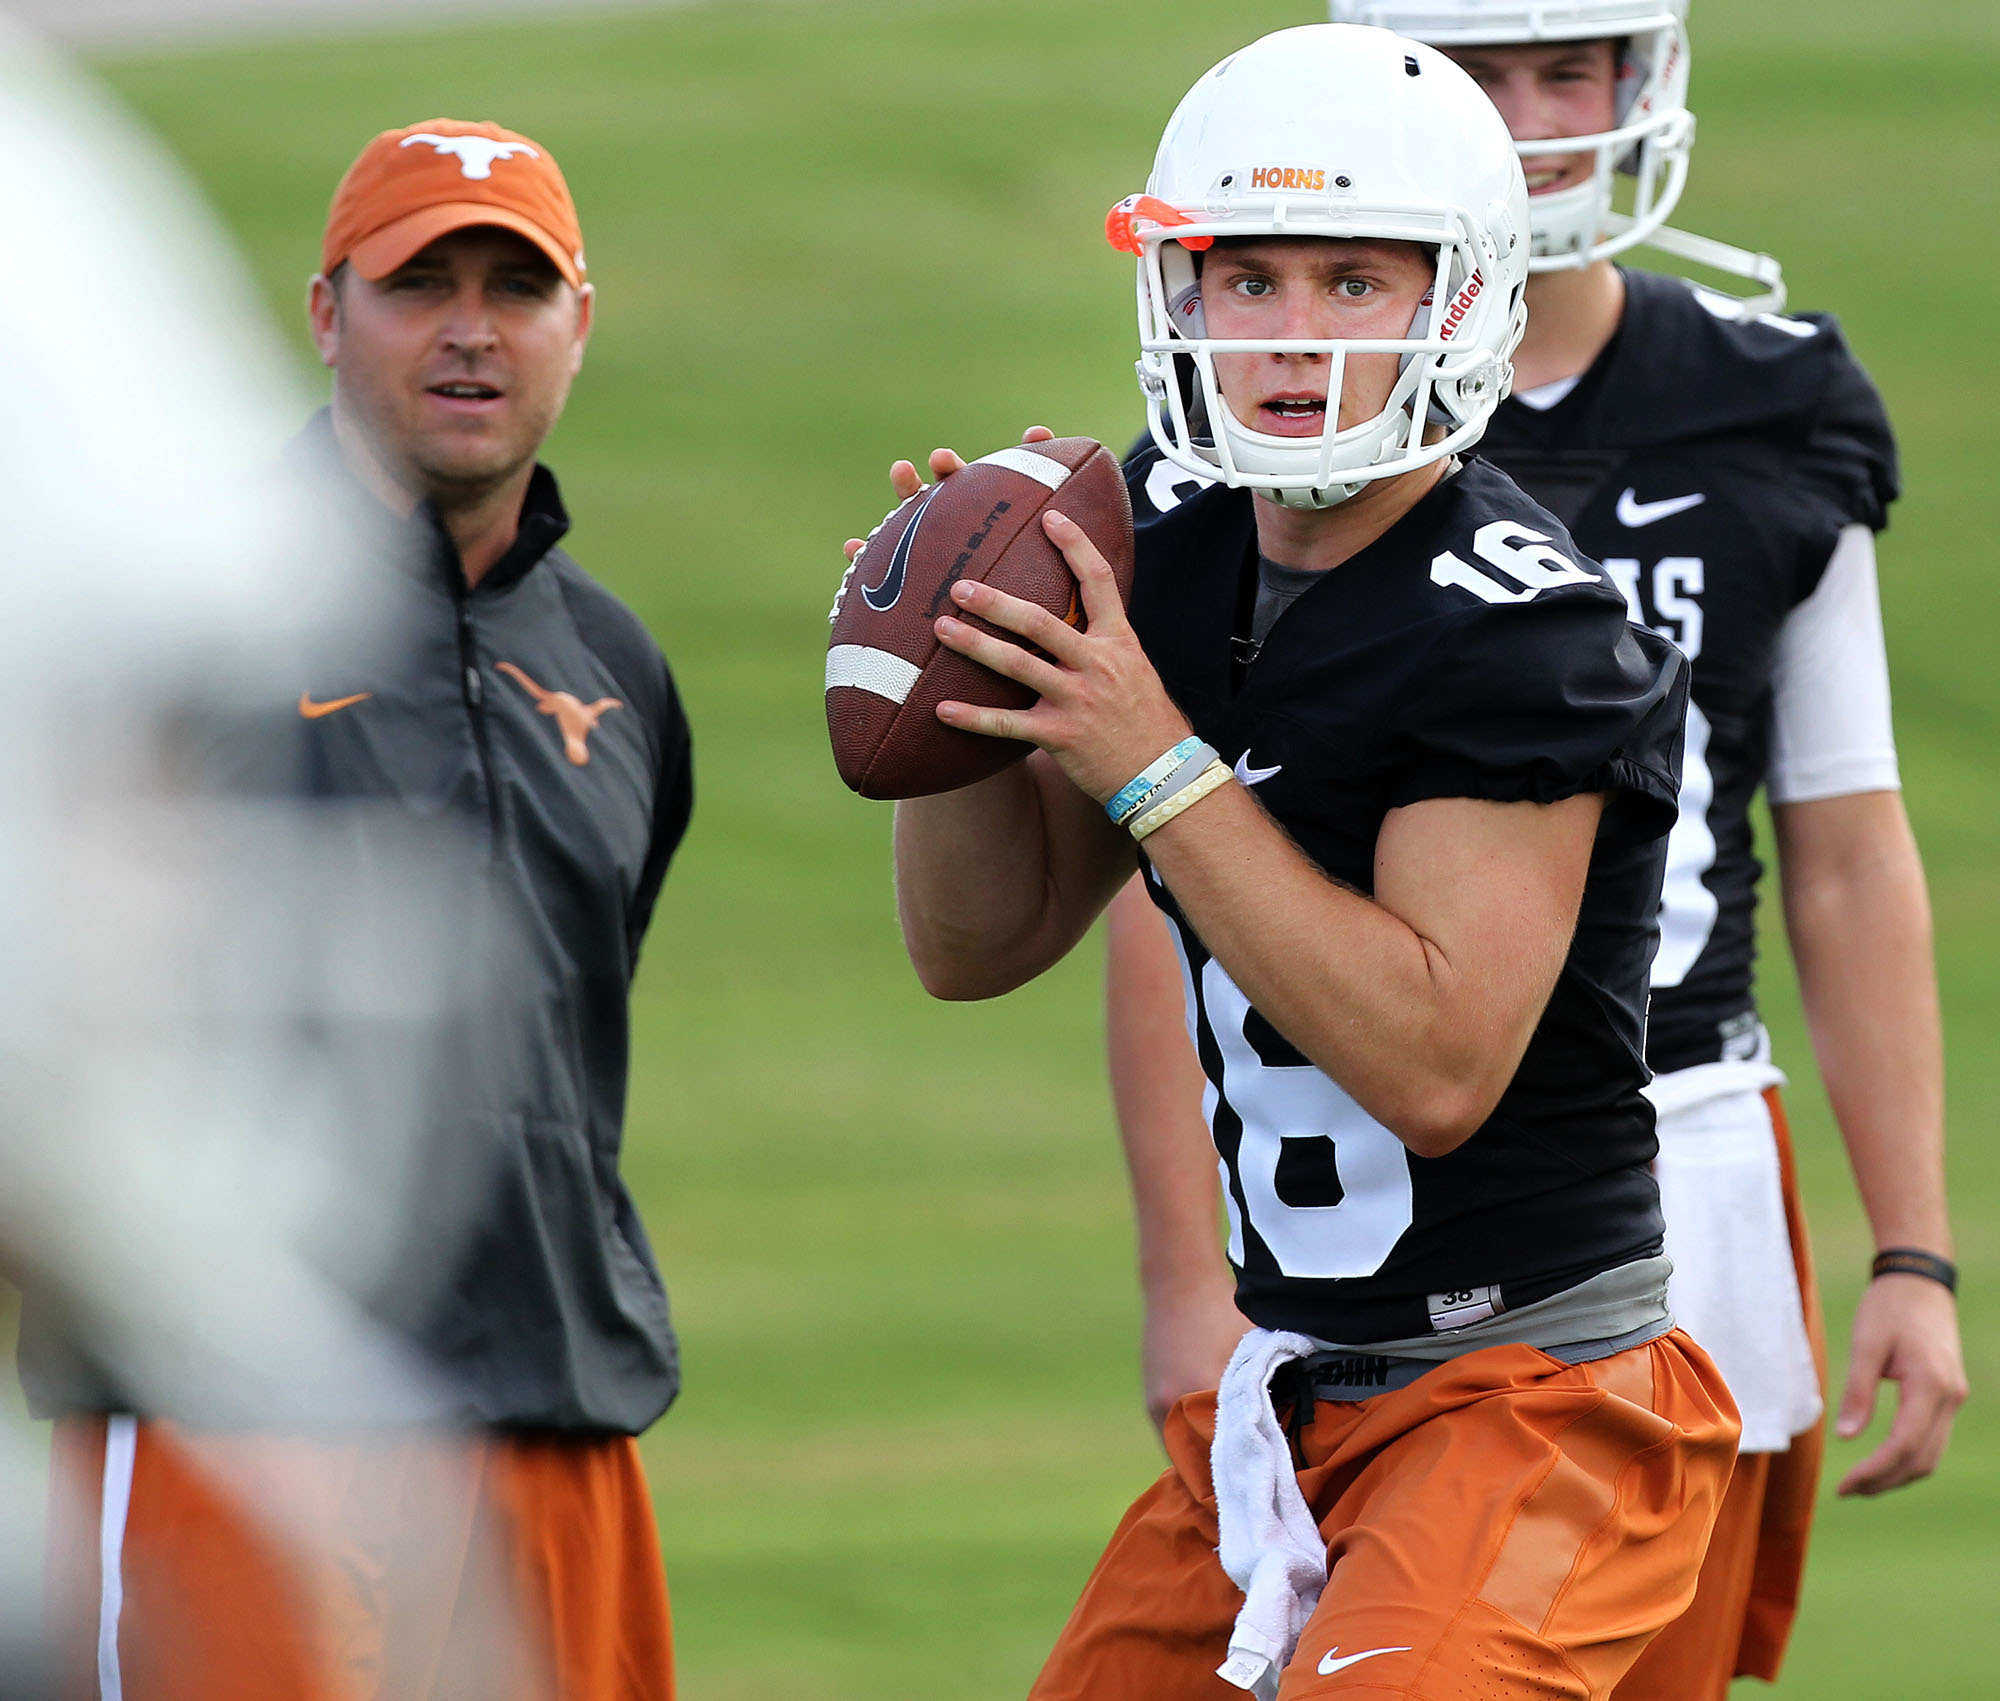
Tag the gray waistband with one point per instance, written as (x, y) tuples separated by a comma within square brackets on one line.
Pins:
[(1628, 1304), (1589, 1352)]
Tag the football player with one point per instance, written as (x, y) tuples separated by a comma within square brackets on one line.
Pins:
[(1400, 771), (1730, 468)]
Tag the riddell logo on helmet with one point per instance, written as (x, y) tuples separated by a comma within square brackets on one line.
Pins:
[(1646, 104), (1454, 315), (1287, 177)]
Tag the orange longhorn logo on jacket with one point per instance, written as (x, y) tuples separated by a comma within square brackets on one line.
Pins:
[(577, 719)]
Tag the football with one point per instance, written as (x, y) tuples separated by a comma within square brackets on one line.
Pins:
[(886, 672)]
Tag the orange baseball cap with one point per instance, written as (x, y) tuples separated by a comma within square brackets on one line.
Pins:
[(413, 185)]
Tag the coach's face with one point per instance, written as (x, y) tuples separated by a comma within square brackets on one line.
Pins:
[(1308, 288), (1545, 91), (455, 365)]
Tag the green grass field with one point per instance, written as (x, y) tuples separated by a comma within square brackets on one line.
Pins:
[(896, 1233)]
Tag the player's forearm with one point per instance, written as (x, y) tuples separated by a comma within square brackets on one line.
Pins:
[(1859, 920), (997, 881), (1371, 1002), (1156, 1089)]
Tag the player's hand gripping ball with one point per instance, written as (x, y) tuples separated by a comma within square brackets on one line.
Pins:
[(886, 672)]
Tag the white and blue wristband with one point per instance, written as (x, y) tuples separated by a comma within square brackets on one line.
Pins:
[(1146, 788), (1177, 781)]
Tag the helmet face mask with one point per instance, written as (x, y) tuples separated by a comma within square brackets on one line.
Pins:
[(1652, 132), (1649, 143), (1332, 132), (1435, 406)]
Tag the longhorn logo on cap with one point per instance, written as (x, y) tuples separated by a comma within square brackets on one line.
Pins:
[(476, 154)]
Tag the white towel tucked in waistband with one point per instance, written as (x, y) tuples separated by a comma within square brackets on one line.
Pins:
[(1735, 1288), (1271, 1546)]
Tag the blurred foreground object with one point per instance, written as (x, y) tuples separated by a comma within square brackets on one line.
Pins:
[(124, 23), (340, 907), (228, 1011)]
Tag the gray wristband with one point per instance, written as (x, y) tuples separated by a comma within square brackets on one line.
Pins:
[(1190, 768)]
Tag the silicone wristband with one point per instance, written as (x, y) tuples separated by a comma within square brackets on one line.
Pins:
[(1913, 1261), (1134, 795), (1211, 778), (1183, 776)]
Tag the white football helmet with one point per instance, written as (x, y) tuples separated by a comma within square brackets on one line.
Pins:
[(1331, 131), (1650, 142)]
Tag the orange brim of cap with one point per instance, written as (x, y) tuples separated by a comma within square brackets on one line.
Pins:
[(380, 253)]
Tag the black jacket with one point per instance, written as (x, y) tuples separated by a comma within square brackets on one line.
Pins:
[(550, 1313)]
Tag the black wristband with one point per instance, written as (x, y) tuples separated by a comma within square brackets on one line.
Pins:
[(1910, 1261)]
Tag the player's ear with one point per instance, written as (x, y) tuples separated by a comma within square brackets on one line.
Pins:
[(323, 317)]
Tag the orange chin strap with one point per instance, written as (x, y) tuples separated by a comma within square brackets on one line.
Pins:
[(1121, 223)]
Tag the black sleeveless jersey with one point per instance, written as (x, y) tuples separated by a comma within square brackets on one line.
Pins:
[(1710, 461), (1467, 653)]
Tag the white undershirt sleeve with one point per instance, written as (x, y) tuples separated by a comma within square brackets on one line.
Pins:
[(1832, 735)]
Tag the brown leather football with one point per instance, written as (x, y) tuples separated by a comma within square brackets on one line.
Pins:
[(886, 672)]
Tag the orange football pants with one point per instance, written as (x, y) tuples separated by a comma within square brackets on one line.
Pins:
[(1506, 1526), (1749, 1589), (266, 1568)]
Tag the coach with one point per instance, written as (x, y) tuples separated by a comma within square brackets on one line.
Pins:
[(526, 705)]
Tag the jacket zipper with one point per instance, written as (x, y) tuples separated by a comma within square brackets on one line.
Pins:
[(473, 690)]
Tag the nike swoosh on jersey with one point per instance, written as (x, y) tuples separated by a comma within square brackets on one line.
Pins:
[(313, 711), (1633, 513), (1254, 776), (1328, 1665)]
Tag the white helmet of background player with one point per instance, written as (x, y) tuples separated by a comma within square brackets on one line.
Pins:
[(1654, 131), (1331, 131)]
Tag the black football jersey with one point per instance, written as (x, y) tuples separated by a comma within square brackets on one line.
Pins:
[(1469, 652), (1710, 463)]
